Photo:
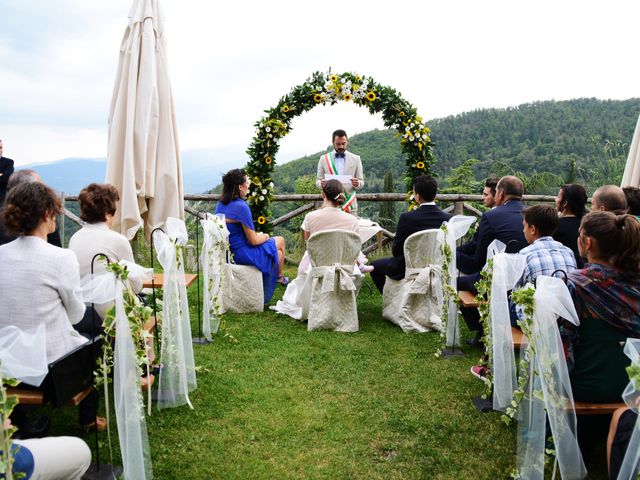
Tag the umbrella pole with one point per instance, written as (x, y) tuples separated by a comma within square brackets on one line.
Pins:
[(153, 291), (199, 340)]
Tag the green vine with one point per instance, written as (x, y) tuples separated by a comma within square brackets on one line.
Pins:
[(483, 299), (329, 89), (447, 290), (7, 404)]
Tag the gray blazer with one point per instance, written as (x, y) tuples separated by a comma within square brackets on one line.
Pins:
[(352, 166)]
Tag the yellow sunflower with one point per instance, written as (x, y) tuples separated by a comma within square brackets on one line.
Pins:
[(318, 98), (286, 109), (401, 114), (420, 165), (333, 78), (268, 160), (358, 78), (262, 220), (371, 96), (347, 97)]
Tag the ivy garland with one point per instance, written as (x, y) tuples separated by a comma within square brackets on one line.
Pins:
[(483, 299), (447, 290), (328, 89), (7, 404)]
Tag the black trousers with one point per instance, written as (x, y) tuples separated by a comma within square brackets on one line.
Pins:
[(381, 268), (471, 315)]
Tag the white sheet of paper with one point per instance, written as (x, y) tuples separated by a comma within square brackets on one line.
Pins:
[(340, 178)]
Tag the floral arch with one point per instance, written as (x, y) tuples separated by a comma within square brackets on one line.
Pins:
[(328, 89)]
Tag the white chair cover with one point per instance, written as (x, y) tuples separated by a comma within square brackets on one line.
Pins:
[(23, 354), (457, 227), (132, 427), (630, 468), (549, 373), (415, 302), (333, 298), (213, 258), (177, 375), (507, 270)]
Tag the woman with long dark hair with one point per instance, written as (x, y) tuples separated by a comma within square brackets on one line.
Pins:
[(571, 205), (248, 246), (606, 293)]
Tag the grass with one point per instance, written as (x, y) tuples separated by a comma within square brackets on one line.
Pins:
[(285, 403)]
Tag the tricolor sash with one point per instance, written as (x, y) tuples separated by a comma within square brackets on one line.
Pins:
[(333, 170)]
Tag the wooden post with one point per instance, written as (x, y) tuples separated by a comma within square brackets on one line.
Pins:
[(61, 217), (458, 207)]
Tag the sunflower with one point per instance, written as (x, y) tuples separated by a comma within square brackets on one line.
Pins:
[(268, 160), (401, 114), (358, 78), (371, 96), (262, 220), (333, 78), (347, 96), (420, 165), (286, 109), (318, 98)]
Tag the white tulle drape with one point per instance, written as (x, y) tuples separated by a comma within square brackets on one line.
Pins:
[(630, 468), (457, 227), (23, 354), (549, 374), (177, 375), (129, 407), (507, 270), (213, 254)]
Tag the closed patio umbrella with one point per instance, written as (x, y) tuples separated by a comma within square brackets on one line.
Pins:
[(143, 160), (631, 177)]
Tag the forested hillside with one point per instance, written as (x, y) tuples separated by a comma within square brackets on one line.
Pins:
[(531, 138)]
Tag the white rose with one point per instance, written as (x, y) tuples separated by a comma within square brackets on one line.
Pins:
[(270, 136), (253, 194), (264, 191), (261, 198), (267, 129), (271, 185)]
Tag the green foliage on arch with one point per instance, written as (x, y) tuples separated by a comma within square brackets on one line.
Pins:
[(329, 89)]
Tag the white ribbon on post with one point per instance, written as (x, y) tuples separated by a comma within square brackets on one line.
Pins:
[(328, 273), (549, 373), (130, 417), (630, 468), (507, 270), (177, 375), (214, 248), (457, 227)]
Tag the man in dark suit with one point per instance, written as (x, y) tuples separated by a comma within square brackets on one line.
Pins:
[(503, 223), (6, 169), (425, 217), (489, 201)]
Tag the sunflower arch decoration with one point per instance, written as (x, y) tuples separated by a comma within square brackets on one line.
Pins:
[(329, 89)]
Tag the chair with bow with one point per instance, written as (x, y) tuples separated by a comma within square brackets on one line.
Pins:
[(415, 303), (240, 286), (336, 280)]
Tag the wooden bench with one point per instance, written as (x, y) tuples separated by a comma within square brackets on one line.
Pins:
[(585, 408), (158, 280), (519, 338), (468, 299), (36, 397)]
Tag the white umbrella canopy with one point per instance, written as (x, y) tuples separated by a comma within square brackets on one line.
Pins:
[(143, 159), (631, 177)]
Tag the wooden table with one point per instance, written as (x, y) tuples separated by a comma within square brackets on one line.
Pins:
[(158, 280)]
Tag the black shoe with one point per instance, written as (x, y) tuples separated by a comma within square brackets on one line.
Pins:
[(475, 341), (37, 428)]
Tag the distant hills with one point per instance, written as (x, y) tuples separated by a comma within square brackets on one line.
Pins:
[(534, 137)]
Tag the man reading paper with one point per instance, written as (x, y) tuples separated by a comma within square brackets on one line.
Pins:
[(344, 166)]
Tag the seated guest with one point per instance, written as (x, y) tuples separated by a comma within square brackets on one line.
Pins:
[(503, 223), (97, 207), (543, 255), (623, 423), (28, 176), (609, 198), (633, 200), (606, 294), (330, 217), (425, 217), (40, 282), (571, 205), (489, 201), (50, 458), (248, 246)]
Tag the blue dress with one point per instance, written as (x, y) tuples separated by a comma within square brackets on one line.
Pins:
[(264, 256)]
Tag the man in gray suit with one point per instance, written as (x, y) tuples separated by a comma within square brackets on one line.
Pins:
[(342, 162)]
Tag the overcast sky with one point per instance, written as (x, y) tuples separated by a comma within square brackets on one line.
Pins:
[(230, 60)]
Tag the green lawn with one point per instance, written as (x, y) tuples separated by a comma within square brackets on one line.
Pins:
[(285, 403)]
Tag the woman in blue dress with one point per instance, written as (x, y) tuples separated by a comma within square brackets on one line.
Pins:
[(248, 246)]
